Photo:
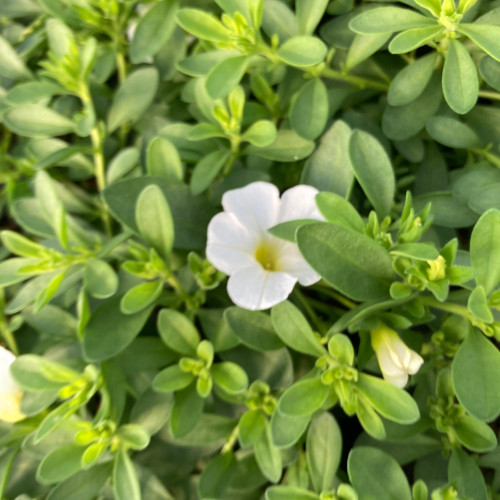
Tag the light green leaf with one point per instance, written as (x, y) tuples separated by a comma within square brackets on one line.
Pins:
[(225, 76), (11, 65), (178, 332), (154, 220), (323, 451), (303, 397), (250, 427), (478, 305), (375, 474), (125, 481), (230, 377), (351, 262), (289, 493), (153, 30), (294, 330), (474, 434), (133, 97), (268, 457), (261, 133), (60, 464), (207, 169), (310, 109), (162, 160), (141, 296), (100, 279), (373, 170), (35, 120), (464, 472), (485, 250), (287, 147), (486, 37), (172, 379), (460, 81), (390, 401), (363, 46), (309, 14), (302, 51), (452, 133), (388, 20), (202, 25), (187, 410), (413, 39), (337, 210), (476, 376)]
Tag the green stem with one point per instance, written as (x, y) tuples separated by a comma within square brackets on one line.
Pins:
[(231, 441), (362, 83), (451, 308), (310, 311), (337, 296), (489, 94)]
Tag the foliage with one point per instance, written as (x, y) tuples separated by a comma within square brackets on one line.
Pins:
[(125, 124)]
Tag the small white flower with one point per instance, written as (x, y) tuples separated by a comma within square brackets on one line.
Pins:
[(262, 269), (10, 393), (395, 358)]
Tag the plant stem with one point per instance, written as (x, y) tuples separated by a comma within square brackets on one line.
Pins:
[(362, 83), (451, 308), (489, 94), (310, 311), (337, 296)]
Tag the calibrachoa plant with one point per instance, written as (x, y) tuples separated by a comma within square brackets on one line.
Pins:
[(250, 249)]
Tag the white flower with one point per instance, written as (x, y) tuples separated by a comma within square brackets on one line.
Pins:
[(262, 269), (10, 393), (395, 359)]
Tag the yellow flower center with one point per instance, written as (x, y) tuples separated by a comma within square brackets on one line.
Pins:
[(267, 255)]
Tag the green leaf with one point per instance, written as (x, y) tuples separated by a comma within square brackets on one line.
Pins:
[(375, 474), (339, 211), (363, 46), (309, 14), (60, 464), (310, 109), (109, 331), (403, 122), (35, 120), (133, 97), (478, 305), (253, 328), (287, 147), (178, 332), (413, 39), (154, 220), (411, 81), (133, 436), (369, 420), (388, 20), (11, 65), (203, 25), (476, 376), (225, 76), (373, 170), (287, 430), (216, 476), (303, 397), (162, 160), (140, 297), (485, 250), (452, 133), (289, 493), (100, 279), (474, 434), (230, 377), (489, 70), (294, 330), (268, 457), (20, 245), (122, 164), (250, 427), (323, 451), (417, 251), (302, 51), (390, 401), (125, 481), (329, 168), (287, 230), (153, 30), (351, 262), (460, 81), (465, 474), (84, 485), (261, 133), (486, 37), (186, 412), (207, 169), (32, 92)]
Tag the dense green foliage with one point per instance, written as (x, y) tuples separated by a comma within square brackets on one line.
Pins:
[(124, 123)]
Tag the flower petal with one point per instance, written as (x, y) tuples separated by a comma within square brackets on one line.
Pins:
[(256, 289), (292, 262), (256, 205), (7, 383), (415, 363), (10, 407), (398, 379), (298, 203), (230, 245)]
